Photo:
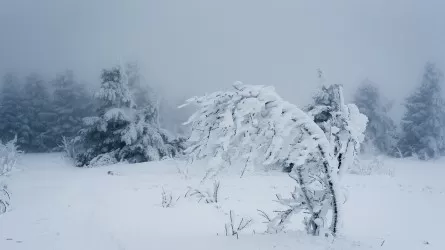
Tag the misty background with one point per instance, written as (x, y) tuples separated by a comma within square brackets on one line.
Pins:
[(192, 47)]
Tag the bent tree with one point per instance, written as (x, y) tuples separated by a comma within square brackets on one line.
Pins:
[(253, 123)]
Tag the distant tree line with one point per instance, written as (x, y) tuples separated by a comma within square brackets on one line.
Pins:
[(422, 129), (46, 114), (41, 112)]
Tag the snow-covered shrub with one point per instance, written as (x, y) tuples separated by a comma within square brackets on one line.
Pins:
[(123, 131), (9, 154), (233, 228), (254, 124), (342, 123)]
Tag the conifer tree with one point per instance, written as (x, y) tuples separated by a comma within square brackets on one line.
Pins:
[(423, 123), (122, 131)]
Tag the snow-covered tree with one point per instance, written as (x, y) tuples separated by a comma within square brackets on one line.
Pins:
[(122, 131), (381, 131), (254, 124), (342, 123), (71, 103), (423, 124)]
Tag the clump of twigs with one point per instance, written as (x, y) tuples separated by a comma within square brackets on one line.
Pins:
[(5, 198), (233, 228), (208, 196), (167, 199)]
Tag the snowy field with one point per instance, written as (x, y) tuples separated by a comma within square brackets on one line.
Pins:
[(57, 206)]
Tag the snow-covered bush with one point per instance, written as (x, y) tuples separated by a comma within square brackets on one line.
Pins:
[(123, 131), (254, 124), (9, 154), (342, 123)]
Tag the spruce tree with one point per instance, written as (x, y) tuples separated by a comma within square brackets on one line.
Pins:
[(423, 123), (122, 131)]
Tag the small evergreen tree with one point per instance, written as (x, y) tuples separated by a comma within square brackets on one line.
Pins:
[(121, 131), (423, 123), (381, 132)]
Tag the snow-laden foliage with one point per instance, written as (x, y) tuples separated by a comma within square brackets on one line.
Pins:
[(122, 131), (9, 154), (255, 124), (423, 124), (342, 123), (381, 132)]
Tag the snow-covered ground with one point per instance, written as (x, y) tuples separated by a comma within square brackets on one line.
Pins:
[(57, 206)]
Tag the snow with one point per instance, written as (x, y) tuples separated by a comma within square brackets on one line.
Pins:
[(57, 206)]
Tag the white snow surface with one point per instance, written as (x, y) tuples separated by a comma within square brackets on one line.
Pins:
[(57, 206)]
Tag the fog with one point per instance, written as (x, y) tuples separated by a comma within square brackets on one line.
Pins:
[(192, 47)]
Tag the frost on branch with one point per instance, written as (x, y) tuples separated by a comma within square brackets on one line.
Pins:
[(254, 123)]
